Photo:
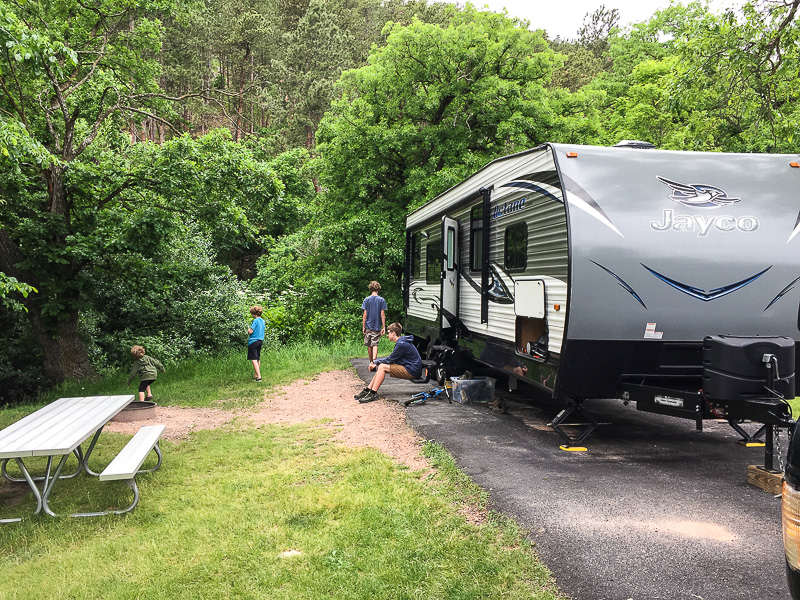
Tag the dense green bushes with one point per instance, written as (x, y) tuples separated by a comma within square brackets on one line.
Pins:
[(315, 280), (185, 303)]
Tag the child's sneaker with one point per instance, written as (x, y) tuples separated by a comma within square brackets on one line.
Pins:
[(361, 394), (369, 397)]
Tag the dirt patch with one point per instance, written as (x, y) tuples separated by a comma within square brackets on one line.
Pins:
[(379, 425)]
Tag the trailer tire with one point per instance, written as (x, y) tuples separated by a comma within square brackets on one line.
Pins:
[(441, 355)]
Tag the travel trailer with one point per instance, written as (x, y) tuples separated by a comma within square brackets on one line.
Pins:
[(666, 278)]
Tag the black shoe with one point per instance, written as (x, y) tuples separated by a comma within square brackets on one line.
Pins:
[(369, 397), (361, 394)]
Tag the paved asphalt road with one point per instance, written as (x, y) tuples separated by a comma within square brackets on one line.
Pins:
[(653, 510)]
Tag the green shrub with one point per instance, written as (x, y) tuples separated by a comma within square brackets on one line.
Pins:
[(184, 304), (315, 280)]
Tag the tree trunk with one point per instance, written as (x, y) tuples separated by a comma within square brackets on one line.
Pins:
[(64, 353), (240, 100)]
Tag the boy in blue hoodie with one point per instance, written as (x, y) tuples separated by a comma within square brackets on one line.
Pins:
[(404, 362)]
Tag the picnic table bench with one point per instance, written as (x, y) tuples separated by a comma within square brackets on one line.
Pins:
[(59, 430)]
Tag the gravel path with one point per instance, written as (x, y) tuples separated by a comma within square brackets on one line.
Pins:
[(380, 424)]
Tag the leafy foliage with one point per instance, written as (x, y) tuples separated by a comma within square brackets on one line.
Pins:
[(316, 279), (180, 302), (588, 56), (269, 68), (70, 73), (433, 105), (689, 79), (9, 286), (20, 362)]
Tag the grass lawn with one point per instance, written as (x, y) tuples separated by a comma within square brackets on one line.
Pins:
[(275, 512)]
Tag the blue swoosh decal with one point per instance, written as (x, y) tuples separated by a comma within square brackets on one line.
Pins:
[(534, 187), (702, 294), (783, 292), (622, 284)]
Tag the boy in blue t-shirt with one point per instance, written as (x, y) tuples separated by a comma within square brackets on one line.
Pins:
[(256, 339), (373, 323)]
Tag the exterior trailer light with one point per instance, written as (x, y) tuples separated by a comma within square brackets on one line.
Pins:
[(791, 515), (795, 165)]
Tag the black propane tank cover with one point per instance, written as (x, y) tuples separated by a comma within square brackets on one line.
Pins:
[(734, 367)]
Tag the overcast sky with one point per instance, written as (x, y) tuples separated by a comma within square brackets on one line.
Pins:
[(564, 18)]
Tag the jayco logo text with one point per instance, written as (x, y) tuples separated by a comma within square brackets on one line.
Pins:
[(703, 224)]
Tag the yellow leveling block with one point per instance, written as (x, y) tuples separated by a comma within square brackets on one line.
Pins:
[(574, 448)]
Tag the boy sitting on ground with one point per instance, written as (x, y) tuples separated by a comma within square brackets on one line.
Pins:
[(404, 362)]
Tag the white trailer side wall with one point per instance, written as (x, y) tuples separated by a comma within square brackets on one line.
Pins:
[(547, 248)]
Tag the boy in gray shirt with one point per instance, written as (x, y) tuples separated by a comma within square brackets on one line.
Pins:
[(373, 323)]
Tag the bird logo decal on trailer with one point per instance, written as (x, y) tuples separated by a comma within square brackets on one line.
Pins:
[(704, 197), (697, 195)]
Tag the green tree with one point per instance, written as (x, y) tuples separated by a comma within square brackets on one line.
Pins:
[(68, 71), (587, 56), (268, 68), (315, 52), (432, 105), (597, 26), (739, 70), (690, 79), (73, 77)]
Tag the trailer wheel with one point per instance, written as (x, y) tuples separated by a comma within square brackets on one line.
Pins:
[(431, 353), (441, 354)]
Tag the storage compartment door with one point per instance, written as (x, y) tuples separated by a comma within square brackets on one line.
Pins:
[(529, 299)]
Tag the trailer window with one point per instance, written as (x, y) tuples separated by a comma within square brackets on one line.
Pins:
[(416, 256), (451, 248), (516, 247), (433, 262), (476, 238)]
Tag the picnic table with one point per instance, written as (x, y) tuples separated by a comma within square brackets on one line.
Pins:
[(57, 431)]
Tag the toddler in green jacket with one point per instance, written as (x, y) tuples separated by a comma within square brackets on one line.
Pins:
[(147, 368)]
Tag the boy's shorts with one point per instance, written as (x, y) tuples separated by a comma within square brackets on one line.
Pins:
[(143, 385), (254, 350), (372, 337), (399, 371)]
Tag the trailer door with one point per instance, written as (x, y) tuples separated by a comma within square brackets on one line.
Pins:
[(449, 273)]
